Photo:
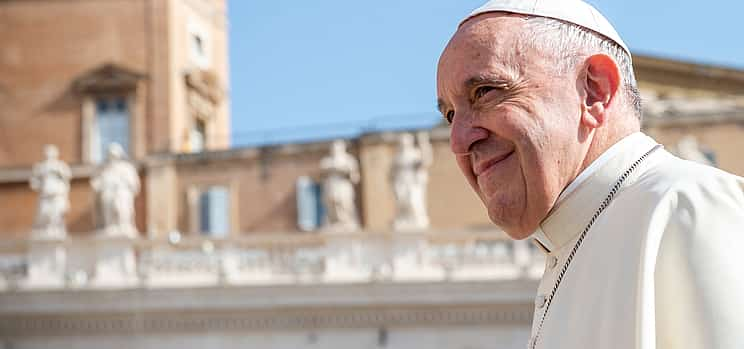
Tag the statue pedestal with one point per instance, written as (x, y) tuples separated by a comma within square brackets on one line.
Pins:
[(116, 265), (410, 225), (343, 260), (46, 264)]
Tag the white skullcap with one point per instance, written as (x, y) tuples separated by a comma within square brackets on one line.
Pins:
[(573, 11)]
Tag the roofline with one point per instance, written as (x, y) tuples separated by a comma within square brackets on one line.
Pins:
[(690, 68)]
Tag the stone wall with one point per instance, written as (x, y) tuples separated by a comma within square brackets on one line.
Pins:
[(18, 208), (261, 181), (431, 315), (47, 45)]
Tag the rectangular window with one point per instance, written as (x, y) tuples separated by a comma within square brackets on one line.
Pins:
[(111, 126), (309, 205), (214, 211)]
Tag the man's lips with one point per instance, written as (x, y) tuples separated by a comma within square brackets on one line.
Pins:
[(483, 166)]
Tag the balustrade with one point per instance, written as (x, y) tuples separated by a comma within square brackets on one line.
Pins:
[(273, 259)]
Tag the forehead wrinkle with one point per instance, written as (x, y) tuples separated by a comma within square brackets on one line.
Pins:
[(489, 42), (489, 30), (496, 52)]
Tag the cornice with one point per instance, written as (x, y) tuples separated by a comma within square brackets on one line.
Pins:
[(290, 307), (138, 322), (197, 299), (692, 69), (78, 171)]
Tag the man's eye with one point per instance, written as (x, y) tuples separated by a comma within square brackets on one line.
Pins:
[(449, 116), (481, 91)]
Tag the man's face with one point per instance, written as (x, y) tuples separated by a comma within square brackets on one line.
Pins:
[(514, 120)]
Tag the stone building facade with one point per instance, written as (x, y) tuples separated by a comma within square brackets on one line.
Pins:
[(150, 75), (154, 79), (221, 260), (258, 185)]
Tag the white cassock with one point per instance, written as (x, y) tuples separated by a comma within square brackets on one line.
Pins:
[(661, 267)]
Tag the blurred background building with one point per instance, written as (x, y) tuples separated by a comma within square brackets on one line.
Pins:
[(237, 247)]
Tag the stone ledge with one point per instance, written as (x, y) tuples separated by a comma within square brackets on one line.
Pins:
[(138, 322), (671, 120), (78, 171), (266, 297)]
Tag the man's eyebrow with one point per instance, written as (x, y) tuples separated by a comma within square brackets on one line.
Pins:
[(486, 80), (478, 80)]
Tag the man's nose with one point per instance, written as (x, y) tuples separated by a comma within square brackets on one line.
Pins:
[(464, 134)]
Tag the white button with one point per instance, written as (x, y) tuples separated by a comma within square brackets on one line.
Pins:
[(540, 301), (552, 262)]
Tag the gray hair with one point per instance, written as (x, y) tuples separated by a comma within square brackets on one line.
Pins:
[(571, 42)]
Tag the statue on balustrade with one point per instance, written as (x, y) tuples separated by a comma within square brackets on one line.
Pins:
[(51, 179), (340, 173), (410, 178), (116, 185)]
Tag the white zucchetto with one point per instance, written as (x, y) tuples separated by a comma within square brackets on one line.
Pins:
[(574, 11)]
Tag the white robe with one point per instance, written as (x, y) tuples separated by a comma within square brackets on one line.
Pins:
[(662, 266)]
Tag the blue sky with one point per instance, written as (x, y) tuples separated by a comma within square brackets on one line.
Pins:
[(303, 70)]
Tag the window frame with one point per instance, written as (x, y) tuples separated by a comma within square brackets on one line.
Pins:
[(90, 143), (193, 197)]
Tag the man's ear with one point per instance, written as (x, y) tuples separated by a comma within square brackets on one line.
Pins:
[(602, 81)]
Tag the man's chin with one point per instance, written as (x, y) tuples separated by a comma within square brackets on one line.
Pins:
[(514, 230), (508, 215), (518, 234)]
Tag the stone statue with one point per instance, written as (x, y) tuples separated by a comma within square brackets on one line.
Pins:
[(51, 178), (340, 174), (410, 178), (689, 149), (116, 184)]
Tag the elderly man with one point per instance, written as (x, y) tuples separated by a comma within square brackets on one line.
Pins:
[(644, 250)]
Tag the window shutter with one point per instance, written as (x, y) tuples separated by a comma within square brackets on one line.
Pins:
[(214, 212), (309, 210), (204, 209)]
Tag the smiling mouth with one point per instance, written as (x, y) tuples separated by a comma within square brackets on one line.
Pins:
[(487, 165)]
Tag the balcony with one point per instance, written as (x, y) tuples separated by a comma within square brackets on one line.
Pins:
[(270, 259)]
